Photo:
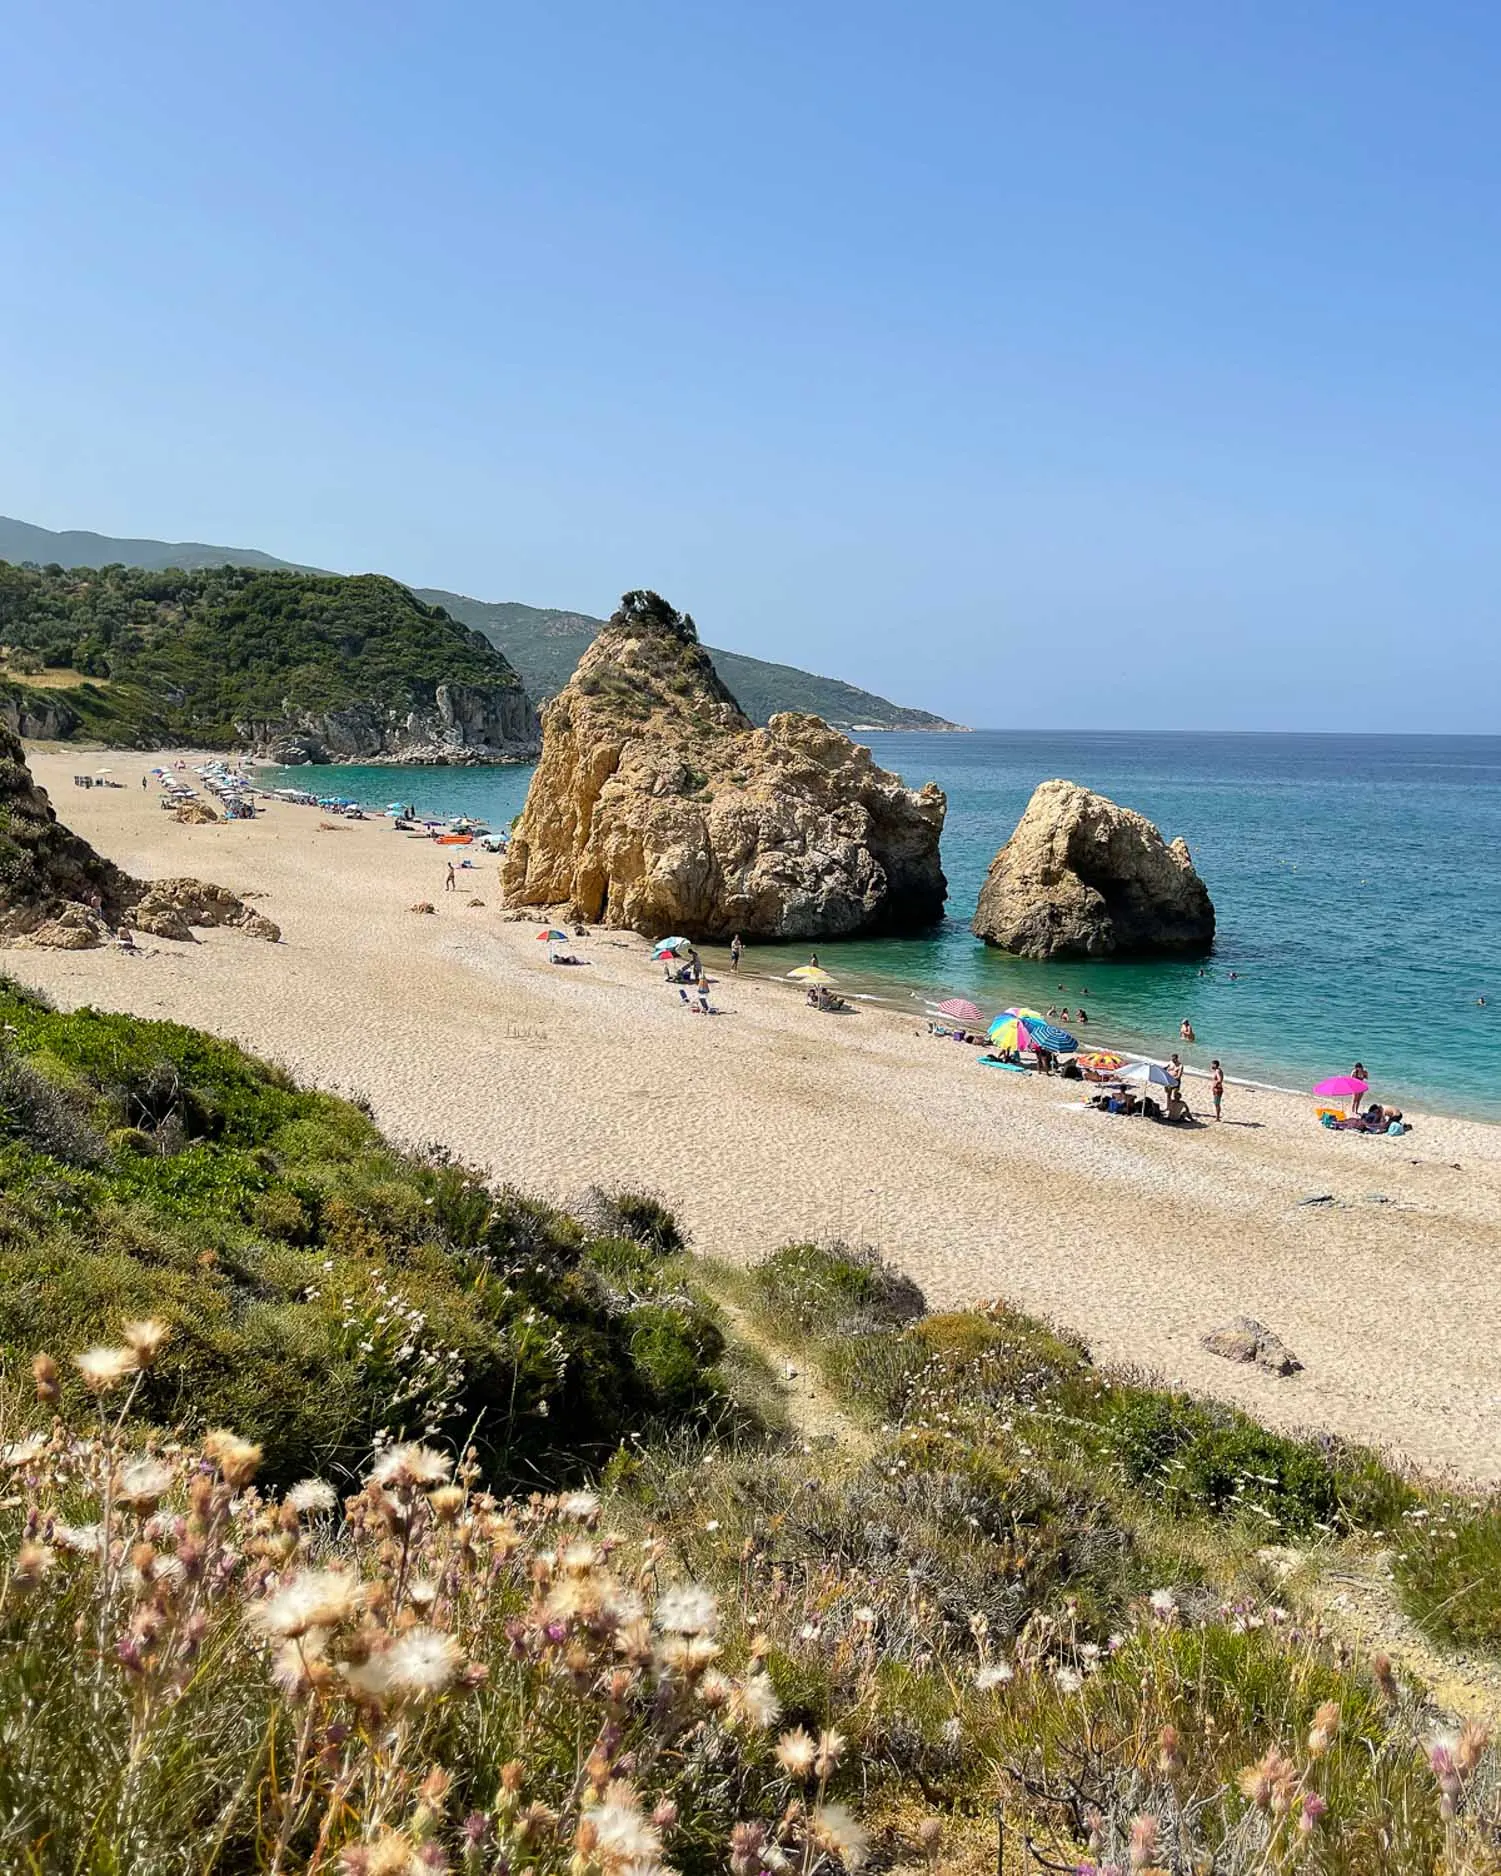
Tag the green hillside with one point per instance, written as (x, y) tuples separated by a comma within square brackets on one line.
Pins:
[(543, 643), (184, 656)]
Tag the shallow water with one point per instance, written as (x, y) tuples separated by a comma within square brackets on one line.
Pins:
[(1356, 879)]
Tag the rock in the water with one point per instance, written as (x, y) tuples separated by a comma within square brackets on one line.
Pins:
[(55, 890), (1246, 1339), (1082, 877), (658, 807)]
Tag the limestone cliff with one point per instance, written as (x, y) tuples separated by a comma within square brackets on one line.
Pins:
[(55, 890), (463, 723), (658, 807), (1083, 877)]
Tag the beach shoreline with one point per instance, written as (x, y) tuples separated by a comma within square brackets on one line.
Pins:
[(774, 1123)]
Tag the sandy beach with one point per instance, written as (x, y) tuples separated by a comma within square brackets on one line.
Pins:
[(774, 1122)]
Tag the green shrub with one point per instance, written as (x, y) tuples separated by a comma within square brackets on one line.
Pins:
[(641, 1216), (1448, 1570), (834, 1290)]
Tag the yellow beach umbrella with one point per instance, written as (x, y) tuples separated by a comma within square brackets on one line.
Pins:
[(811, 974)]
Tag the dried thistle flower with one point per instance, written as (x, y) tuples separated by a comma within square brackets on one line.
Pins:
[(44, 1373), (796, 1752), (145, 1337), (238, 1460), (105, 1368), (834, 1828)]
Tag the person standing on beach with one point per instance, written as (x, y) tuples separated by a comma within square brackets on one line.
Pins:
[(451, 883), (1216, 1088), (1175, 1069), (736, 952)]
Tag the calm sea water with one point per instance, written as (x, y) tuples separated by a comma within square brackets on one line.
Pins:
[(1357, 881)]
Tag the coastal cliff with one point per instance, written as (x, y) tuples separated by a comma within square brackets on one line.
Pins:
[(1082, 876), (55, 890), (658, 806), (298, 666)]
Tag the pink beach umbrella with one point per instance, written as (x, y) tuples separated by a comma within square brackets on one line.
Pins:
[(960, 1010), (1341, 1087)]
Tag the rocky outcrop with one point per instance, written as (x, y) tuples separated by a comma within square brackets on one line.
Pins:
[(658, 807), (56, 890), (1083, 877), (465, 723), (41, 716)]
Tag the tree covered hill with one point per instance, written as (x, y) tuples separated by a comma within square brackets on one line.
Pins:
[(228, 654), (543, 643)]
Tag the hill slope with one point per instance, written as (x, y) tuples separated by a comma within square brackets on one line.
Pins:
[(303, 666), (543, 643)]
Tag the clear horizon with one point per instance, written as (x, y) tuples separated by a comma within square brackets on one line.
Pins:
[(1132, 369)]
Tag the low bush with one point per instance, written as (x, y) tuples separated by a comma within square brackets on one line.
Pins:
[(831, 1291), (1448, 1569)]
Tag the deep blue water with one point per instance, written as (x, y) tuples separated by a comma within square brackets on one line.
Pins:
[(1357, 881)]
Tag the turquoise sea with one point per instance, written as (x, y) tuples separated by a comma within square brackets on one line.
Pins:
[(1357, 881)]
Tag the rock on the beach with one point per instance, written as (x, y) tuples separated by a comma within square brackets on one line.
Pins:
[(659, 807), (1246, 1339), (55, 890), (1084, 877)]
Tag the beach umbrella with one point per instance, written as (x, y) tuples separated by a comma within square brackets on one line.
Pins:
[(553, 936), (665, 945), (810, 974), (1148, 1073), (1341, 1087), (1101, 1061), (960, 1010), (1025, 1029)]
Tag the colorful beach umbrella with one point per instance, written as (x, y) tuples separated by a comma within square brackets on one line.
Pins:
[(665, 945), (960, 1010), (552, 935), (1025, 1029), (1341, 1087), (810, 974), (1101, 1061)]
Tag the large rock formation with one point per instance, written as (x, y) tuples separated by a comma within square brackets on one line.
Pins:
[(1082, 877), (55, 890), (465, 723), (658, 806)]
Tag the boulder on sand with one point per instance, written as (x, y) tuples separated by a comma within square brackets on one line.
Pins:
[(1246, 1339), (55, 890), (659, 807), (1084, 877)]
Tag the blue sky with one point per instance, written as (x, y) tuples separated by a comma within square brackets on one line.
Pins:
[(1073, 364)]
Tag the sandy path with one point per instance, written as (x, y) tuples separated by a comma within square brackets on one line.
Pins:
[(774, 1123)]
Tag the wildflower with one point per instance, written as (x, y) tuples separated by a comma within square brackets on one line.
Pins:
[(624, 1840), (835, 1828), (81, 1540), (310, 1496), (1067, 1680), (33, 1561), (1164, 1604), (1169, 1753), (1270, 1782), (1143, 1841), (105, 1368), (20, 1453), (687, 1609), (1386, 1680), (830, 1752), (411, 1465), (143, 1482), (714, 1690), (417, 1665), (1313, 1809), (44, 1373), (796, 1752), (298, 1666), (238, 1460), (315, 1599), (754, 1703), (1325, 1726), (994, 1674), (446, 1502), (144, 1338), (1472, 1742)]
